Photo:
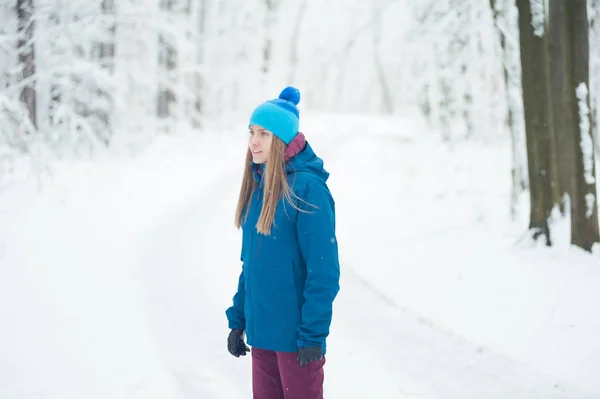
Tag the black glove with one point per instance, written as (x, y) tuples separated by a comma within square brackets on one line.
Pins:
[(310, 354), (235, 343)]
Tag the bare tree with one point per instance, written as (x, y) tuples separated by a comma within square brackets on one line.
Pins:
[(386, 95), (27, 56), (541, 154), (584, 210), (505, 21), (594, 20), (555, 62), (198, 13), (106, 57), (270, 17), (560, 65), (167, 63), (294, 44)]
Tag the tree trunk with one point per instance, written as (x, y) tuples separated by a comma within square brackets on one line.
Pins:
[(294, 43), (594, 34), (106, 56), (107, 48), (584, 211), (387, 101), (561, 85), (510, 66), (27, 56), (166, 64), (200, 17), (53, 120), (538, 127), (271, 9)]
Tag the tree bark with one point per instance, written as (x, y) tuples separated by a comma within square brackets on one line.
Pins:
[(561, 85), (594, 34), (538, 127), (584, 211), (27, 56)]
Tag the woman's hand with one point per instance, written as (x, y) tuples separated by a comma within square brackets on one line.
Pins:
[(235, 343), (310, 354)]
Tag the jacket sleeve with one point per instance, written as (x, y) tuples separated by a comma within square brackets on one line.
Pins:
[(235, 313), (318, 244)]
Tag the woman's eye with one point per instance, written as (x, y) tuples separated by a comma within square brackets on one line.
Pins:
[(264, 133)]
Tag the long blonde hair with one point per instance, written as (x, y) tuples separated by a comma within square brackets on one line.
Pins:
[(275, 186)]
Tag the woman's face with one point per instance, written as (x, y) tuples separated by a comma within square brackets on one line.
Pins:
[(260, 143)]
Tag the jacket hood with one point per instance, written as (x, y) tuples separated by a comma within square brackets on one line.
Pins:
[(307, 161)]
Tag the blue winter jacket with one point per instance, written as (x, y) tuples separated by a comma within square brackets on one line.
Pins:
[(290, 278)]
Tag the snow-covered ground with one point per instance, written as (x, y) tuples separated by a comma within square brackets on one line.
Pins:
[(114, 278)]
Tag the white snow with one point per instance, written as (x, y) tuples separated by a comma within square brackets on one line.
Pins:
[(538, 16), (586, 143), (115, 276), (590, 201)]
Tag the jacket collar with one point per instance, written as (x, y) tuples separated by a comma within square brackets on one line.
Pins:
[(295, 146)]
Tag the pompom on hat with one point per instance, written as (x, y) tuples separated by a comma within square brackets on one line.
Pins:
[(280, 116)]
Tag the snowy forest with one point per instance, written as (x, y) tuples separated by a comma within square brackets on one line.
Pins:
[(80, 75), (460, 141)]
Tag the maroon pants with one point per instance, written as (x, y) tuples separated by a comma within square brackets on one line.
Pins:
[(278, 375)]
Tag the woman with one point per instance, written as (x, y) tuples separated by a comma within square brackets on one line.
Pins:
[(290, 272)]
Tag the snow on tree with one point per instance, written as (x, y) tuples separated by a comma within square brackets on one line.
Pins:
[(458, 68), (117, 72), (587, 147), (586, 143), (506, 23), (538, 16), (584, 216)]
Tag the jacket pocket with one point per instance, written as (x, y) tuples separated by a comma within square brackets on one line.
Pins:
[(278, 288)]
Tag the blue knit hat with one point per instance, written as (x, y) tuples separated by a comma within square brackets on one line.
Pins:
[(279, 116)]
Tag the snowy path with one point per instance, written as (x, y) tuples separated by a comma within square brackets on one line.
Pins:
[(190, 264), (184, 260), (450, 368)]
